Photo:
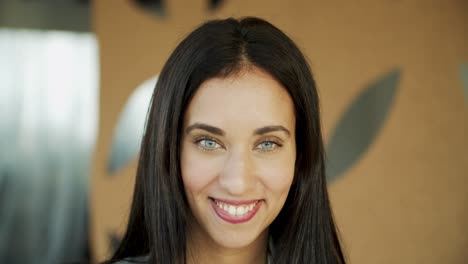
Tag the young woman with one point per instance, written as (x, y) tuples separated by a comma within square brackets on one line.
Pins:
[(231, 168)]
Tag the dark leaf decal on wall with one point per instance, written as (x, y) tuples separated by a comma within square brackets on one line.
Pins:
[(129, 130), (360, 124), (114, 241), (154, 6), (158, 7), (464, 78), (214, 4)]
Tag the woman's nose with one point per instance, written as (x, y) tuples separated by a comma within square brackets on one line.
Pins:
[(237, 176)]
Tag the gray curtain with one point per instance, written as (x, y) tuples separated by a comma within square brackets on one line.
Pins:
[(48, 125)]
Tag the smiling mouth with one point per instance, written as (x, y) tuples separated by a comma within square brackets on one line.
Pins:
[(235, 212)]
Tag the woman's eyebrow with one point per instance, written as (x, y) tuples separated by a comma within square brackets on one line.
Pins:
[(220, 132), (267, 129), (211, 129)]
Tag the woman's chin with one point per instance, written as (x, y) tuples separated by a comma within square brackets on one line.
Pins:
[(235, 240)]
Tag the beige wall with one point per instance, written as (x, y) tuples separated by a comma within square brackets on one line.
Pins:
[(406, 200)]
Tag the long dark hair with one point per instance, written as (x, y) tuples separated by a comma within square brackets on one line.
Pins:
[(304, 231)]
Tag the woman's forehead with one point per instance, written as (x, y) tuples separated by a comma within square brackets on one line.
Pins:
[(249, 98)]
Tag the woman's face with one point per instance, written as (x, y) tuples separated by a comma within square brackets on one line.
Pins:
[(237, 157)]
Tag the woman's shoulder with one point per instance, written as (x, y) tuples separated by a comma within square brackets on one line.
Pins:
[(133, 260)]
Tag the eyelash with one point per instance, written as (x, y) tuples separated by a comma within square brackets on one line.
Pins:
[(274, 142), (198, 140), (276, 145)]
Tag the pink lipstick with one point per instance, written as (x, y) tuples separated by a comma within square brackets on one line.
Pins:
[(235, 212)]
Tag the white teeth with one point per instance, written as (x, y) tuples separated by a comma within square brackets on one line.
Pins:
[(240, 210), (232, 210), (236, 210)]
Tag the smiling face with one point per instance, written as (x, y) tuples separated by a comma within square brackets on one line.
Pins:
[(237, 157)]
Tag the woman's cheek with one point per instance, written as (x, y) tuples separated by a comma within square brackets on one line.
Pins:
[(198, 169), (277, 177), (277, 172)]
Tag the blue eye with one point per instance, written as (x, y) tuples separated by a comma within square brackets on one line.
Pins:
[(267, 145), (208, 144)]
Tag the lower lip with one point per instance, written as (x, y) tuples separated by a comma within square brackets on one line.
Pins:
[(235, 219)]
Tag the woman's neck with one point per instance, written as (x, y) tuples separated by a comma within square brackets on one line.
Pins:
[(201, 249)]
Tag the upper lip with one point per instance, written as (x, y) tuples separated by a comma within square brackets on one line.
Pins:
[(235, 202)]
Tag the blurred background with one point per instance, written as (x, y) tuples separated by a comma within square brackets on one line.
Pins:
[(76, 78)]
